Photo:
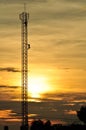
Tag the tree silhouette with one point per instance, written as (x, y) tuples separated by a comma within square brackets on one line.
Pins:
[(37, 125), (47, 125), (82, 114)]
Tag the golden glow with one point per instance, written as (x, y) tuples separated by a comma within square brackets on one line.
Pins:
[(37, 86), (4, 113)]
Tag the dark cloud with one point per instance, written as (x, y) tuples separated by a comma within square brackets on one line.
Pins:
[(55, 110), (67, 13), (9, 69), (4, 86), (8, 93), (65, 68)]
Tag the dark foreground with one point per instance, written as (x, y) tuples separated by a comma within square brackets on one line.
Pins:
[(39, 125)]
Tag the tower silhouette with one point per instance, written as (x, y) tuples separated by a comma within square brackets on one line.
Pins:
[(24, 17)]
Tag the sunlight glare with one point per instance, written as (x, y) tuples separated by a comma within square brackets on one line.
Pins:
[(37, 85)]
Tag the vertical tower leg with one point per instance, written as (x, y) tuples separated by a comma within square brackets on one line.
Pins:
[(24, 22)]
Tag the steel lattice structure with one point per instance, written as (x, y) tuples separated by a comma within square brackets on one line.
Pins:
[(24, 17)]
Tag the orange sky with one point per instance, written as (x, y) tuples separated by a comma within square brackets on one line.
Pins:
[(57, 58)]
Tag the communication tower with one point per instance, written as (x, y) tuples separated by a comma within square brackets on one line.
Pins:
[(24, 17)]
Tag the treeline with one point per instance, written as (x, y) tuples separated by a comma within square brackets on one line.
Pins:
[(40, 125)]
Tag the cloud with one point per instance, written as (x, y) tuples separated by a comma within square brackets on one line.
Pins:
[(4, 86), (21, 1), (48, 108), (49, 12), (9, 69), (8, 93), (66, 14), (71, 42)]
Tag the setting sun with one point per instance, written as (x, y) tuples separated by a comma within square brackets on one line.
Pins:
[(37, 85)]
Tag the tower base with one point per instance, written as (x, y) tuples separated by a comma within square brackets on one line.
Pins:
[(24, 127)]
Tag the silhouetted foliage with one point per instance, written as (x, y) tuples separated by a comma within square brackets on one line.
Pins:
[(82, 114), (47, 125), (37, 125), (24, 127), (40, 125), (5, 127)]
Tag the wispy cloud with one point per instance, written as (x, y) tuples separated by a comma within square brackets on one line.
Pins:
[(9, 69), (56, 109), (9, 92), (4, 86)]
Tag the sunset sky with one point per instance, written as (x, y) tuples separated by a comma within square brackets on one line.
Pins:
[(57, 57)]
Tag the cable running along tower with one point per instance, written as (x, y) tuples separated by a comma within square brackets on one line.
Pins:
[(24, 17)]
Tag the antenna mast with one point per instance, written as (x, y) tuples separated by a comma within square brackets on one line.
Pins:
[(24, 16)]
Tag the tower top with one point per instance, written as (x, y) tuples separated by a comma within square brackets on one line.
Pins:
[(24, 7), (24, 16)]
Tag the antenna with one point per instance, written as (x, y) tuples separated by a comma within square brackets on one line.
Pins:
[(24, 7)]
